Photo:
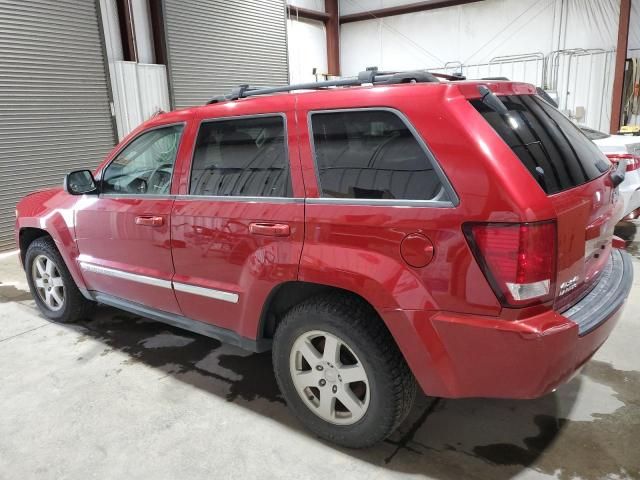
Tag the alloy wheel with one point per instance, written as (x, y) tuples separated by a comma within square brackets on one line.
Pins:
[(329, 377), (48, 282)]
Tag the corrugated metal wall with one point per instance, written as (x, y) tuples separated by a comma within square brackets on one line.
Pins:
[(214, 46), (54, 104)]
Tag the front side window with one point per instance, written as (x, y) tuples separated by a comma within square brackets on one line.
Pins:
[(145, 166), (241, 157), (372, 154)]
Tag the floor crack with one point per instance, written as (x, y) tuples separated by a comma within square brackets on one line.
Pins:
[(22, 333)]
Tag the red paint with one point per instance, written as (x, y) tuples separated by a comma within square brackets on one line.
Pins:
[(412, 264)]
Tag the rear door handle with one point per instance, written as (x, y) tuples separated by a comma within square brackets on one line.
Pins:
[(270, 229), (150, 220)]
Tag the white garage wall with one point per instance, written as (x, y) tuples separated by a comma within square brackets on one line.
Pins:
[(307, 43), (317, 5), (476, 38), (307, 46), (634, 30), (474, 33)]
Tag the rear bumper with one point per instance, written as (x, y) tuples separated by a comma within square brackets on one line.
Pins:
[(456, 355)]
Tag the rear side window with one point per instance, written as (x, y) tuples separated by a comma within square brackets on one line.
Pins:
[(242, 157), (372, 154), (554, 150)]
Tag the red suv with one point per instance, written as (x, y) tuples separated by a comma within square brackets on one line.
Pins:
[(390, 232)]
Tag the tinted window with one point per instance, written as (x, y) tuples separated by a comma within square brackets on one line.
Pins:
[(546, 140), (371, 154), (245, 157), (145, 166)]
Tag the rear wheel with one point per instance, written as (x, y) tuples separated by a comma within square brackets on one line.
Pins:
[(340, 371), (51, 284)]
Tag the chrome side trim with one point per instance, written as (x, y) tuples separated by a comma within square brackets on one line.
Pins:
[(375, 202), (134, 277), (227, 198), (158, 282), (206, 292), (133, 196)]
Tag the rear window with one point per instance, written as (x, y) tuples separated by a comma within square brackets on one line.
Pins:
[(551, 147)]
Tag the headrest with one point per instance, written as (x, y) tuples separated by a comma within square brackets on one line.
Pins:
[(237, 150)]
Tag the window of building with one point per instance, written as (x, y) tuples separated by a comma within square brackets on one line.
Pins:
[(372, 154), (241, 157)]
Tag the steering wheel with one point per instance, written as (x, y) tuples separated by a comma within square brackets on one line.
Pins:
[(159, 180)]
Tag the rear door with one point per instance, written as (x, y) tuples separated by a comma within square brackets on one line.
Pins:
[(238, 227), (574, 174)]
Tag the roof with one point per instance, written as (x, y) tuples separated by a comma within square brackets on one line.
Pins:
[(364, 81)]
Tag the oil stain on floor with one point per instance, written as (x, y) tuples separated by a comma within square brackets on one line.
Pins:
[(441, 438)]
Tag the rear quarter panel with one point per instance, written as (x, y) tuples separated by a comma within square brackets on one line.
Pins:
[(357, 247)]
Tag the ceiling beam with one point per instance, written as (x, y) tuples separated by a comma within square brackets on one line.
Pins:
[(621, 61), (402, 9), (307, 14)]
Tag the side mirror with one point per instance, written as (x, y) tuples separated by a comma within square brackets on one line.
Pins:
[(80, 182)]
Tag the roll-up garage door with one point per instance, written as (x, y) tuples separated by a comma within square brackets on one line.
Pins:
[(54, 103), (214, 46)]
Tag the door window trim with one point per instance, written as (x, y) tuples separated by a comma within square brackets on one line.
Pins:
[(238, 198), (241, 198), (453, 201), (149, 196)]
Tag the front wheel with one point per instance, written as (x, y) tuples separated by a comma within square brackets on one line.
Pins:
[(51, 284), (341, 372)]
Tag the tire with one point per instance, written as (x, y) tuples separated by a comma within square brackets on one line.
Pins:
[(51, 284), (384, 394)]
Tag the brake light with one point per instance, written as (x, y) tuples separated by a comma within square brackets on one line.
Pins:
[(518, 259), (633, 161)]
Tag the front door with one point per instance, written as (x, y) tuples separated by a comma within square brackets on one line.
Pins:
[(124, 233), (238, 231)]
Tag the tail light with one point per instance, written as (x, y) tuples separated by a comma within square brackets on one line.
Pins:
[(518, 259), (633, 161)]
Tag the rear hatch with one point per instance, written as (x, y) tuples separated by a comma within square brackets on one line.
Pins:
[(573, 173)]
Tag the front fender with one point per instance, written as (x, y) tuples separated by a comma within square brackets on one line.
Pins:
[(53, 212)]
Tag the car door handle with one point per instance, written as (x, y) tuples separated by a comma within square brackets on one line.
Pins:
[(150, 220), (270, 229)]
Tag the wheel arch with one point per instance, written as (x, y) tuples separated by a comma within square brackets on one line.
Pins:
[(26, 236), (62, 236), (289, 294)]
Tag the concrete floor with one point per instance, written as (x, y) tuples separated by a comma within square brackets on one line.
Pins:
[(120, 396)]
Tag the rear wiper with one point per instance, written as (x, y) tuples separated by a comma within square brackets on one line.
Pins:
[(540, 177), (491, 100), (617, 175)]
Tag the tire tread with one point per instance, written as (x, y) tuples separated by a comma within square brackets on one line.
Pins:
[(78, 307)]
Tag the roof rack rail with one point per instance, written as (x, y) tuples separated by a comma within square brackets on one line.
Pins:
[(371, 75)]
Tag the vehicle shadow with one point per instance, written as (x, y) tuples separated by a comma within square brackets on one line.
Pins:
[(443, 439)]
